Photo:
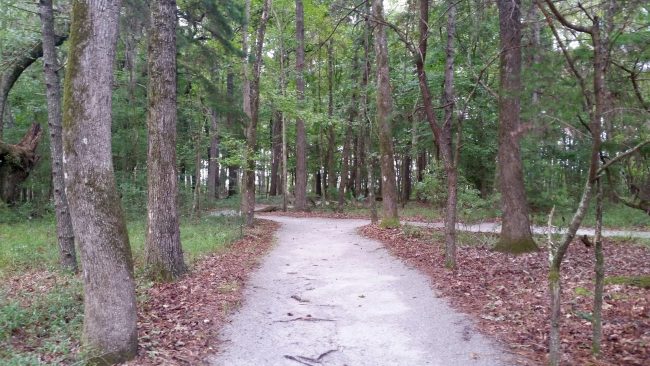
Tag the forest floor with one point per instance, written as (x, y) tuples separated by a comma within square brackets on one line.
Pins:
[(179, 322), (507, 296), (327, 296)]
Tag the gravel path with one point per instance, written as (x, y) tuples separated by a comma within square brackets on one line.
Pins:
[(327, 296)]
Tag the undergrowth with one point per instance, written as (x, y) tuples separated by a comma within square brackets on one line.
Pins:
[(41, 320)]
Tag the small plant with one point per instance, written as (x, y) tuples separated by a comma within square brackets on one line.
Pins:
[(414, 232)]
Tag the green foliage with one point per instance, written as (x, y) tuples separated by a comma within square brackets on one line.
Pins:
[(470, 205)]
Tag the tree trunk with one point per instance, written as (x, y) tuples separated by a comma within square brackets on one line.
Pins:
[(248, 193), (596, 107), (345, 166), (442, 134), (276, 153), (300, 189), (65, 234), (12, 71), (16, 162), (196, 195), (450, 159), (384, 123), (109, 332), (213, 157), (331, 135), (406, 177), (516, 236), (163, 251), (599, 270), (233, 175)]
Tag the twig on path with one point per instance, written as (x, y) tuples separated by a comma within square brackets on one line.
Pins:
[(299, 299), (326, 353), (308, 360), (305, 318), (292, 358)]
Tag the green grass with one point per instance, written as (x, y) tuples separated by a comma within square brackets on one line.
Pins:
[(49, 322), (32, 244), (614, 217)]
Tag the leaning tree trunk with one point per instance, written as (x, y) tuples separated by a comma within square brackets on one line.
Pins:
[(16, 162), (516, 236), (65, 235), (11, 72), (109, 332), (163, 251), (300, 189), (384, 110)]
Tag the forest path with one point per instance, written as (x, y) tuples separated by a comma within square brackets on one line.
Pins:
[(327, 296), (491, 227)]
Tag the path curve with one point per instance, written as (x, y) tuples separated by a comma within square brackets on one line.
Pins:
[(327, 296)]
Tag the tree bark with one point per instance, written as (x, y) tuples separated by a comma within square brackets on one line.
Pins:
[(516, 236), (14, 69), (163, 251), (109, 332), (16, 162), (65, 234), (300, 188), (384, 123)]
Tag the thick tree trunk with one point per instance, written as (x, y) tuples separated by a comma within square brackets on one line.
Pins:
[(65, 234), (16, 162), (110, 333), (12, 71), (516, 236), (384, 123), (300, 188), (163, 251)]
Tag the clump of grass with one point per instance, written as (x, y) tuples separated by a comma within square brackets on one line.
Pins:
[(414, 232), (637, 281)]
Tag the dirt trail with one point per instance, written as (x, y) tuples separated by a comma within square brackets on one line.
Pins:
[(327, 296)]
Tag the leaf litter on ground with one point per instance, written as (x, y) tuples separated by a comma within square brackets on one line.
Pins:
[(508, 295)]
